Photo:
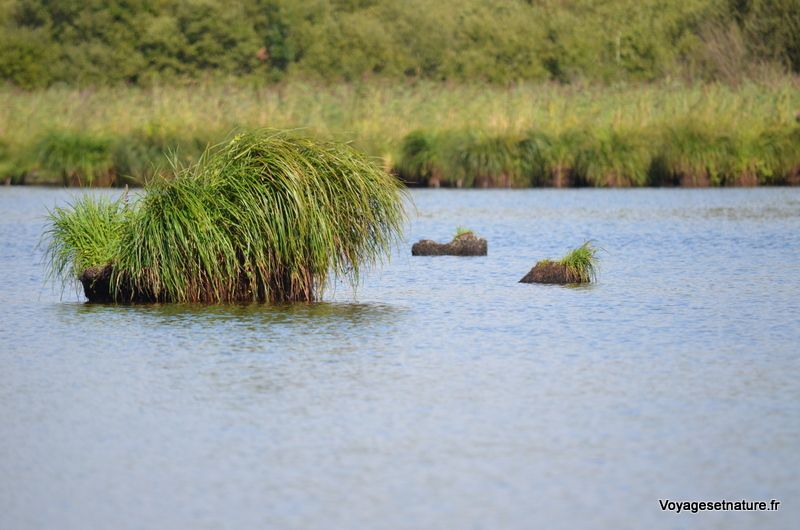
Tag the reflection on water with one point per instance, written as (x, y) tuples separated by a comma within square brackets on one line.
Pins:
[(242, 314), (254, 326), (442, 394)]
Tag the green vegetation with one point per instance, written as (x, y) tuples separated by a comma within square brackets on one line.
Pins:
[(688, 154), (86, 234), (94, 42), (264, 217), (578, 266), (75, 158), (581, 264), (460, 231), (429, 133), (465, 93)]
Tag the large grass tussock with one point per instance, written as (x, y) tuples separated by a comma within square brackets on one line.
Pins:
[(264, 217)]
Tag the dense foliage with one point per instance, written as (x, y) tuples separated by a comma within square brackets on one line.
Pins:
[(90, 42)]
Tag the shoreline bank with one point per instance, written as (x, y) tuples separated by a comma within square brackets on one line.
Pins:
[(429, 134)]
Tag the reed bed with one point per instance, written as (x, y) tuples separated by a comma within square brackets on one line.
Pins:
[(688, 154), (265, 217), (467, 135)]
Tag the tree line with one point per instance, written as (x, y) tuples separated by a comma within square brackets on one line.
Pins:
[(100, 42)]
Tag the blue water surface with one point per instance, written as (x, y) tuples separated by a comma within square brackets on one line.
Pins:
[(442, 394)]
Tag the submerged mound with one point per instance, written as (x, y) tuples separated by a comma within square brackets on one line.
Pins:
[(463, 244), (546, 271), (265, 217), (96, 283), (579, 266)]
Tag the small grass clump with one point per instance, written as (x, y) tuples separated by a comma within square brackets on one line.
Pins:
[(464, 243), (265, 217), (460, 231), (581, 264), (86, 234)]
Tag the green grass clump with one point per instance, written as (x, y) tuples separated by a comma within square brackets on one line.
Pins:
[(460, 231), (551, 159), (264, 217), (86, 234), (614, 159), (461, 159), (418, 162), (692, 154), (78, 158), (488, 161), (581, 264)]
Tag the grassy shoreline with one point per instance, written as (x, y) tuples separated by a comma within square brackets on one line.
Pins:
[(430, 134)]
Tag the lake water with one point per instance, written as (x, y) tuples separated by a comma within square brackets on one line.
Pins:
[(444, 394)]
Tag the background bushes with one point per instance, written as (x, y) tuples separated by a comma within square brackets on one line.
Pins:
[(91, 42)]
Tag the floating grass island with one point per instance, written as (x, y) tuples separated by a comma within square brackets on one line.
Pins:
[(579, 266), (266, 217), (464, 243)]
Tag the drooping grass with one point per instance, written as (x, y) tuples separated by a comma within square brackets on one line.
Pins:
[(265, 217), (86, 234), (581, 263)]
